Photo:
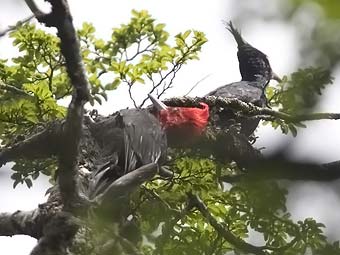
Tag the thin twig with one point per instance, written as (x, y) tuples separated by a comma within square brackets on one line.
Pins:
[(14, 89), (138, 52), (130, 92), (14, 27), (196, 84), (175, 68), (169, 85)]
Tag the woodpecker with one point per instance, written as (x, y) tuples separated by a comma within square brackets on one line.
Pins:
[(256, 73), (253, 63), (183, 125), (129, 139), (133, 138)]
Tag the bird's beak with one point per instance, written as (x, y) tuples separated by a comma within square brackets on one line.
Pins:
[(157, 103), (276, 77)]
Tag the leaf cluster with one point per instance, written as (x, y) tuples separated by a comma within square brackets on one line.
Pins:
[(141, 52), (34, 82), (248, 209), (137, 53), (297, 95)]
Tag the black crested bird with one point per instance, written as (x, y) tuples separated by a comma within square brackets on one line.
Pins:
[(253, 64), (256, 73)]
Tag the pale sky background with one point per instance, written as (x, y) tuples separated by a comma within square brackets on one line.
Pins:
[(319, 142)]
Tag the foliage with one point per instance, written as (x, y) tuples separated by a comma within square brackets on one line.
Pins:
[(27, 171), (297, 95), (33, 83), (329, 7), (140, 52), (246, 209)]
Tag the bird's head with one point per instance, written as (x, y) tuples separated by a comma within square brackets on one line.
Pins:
[(182, 123), (252, 62)]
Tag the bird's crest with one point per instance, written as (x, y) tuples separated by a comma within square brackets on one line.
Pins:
[(237, 35), (192, 118)]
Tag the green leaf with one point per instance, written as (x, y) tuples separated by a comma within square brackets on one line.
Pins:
[(15, 183), (113, 85), (186, 34), (28, 183), (292, 129)]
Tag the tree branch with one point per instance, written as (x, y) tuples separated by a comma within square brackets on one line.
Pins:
[(60, 18), (175, 68), (279, 167), (34, 8), (18, 24), (227, 235), (41, 145), (58, 234), (111, 245), (169, 225), (249, 109), (21, 223), (196, 84), (14, 89)]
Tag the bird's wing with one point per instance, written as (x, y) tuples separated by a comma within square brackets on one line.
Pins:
[(144, 139), (243, 90)]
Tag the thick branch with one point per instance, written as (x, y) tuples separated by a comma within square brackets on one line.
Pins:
[(278, 167), (34, 8), (58, 235), (41, 145), (68, 155), (21, 223), (60, 18), (60, 231), (222, 231), (249, 109)]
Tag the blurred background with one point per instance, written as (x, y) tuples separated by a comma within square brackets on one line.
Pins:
[(293, 33)]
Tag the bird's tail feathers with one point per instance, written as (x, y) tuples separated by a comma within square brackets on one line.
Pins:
[(100, 178)]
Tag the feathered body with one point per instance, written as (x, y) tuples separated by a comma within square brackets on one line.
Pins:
[(250, 92), (253, 63), (256, 73), (130, 139)]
